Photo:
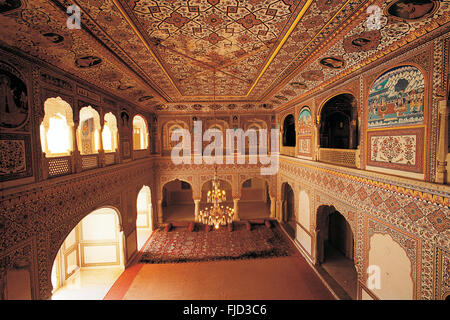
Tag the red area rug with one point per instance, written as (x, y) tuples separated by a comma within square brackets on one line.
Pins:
[(182, 245)]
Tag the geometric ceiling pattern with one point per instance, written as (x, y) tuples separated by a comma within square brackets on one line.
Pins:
[(219, 54)]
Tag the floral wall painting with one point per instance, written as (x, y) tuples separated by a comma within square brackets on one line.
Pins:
[(397, 98), (394, 149), (13, 100), (305, 118), (412, 9), (402, 150)]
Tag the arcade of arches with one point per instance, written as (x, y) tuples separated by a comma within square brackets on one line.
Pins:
[(355, 122)]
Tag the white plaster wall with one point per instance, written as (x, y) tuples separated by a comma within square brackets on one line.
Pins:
[(395, 268), (304, 239), (304, 210)]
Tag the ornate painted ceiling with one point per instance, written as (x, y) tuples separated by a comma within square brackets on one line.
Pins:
[(214, 54)]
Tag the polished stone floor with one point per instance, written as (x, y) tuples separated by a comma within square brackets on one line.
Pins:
[(89, 284)]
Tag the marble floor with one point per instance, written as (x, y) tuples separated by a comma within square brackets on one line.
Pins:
[(286, 278), (89, 284)]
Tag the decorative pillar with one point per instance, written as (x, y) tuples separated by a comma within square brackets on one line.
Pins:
[(358, 158), (316, 141), (197, 208), (278, 212), (352, 141), (236, 209), (44, 148), (76, 156), (441, 174), (272, 207), (101, 152), (160, 212)]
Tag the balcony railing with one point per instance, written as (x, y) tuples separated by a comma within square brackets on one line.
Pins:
[(89, 161), (287, 151), (110, 158), (57, 166), (139, 154), (343, 157)]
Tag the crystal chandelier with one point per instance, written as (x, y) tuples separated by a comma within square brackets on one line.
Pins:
[(217, 214)]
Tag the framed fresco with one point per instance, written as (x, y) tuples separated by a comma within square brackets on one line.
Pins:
[(15, 156), (396, 98)]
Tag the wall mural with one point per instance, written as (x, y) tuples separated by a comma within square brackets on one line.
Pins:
[(304, 145), (412, 9), (305, 117), (397, 98), (304, 131), (13, 100)]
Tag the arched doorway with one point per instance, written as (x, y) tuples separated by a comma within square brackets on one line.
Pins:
[(255, 199), (177, 203), (288, 218), (88, 132), (140, 133), (144, 219), (289, 135), (90, 259), (339, 123), (335, 248)]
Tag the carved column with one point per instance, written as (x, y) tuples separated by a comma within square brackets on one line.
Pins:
[(441, 174), (236, 209), (101, 152), (197, 208), (44, 159), (76, 156), (278, 210), (272, 207), (316, 142), (352, 141), (160, 212)]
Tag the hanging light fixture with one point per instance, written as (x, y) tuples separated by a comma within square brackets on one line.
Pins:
[(217, 214)]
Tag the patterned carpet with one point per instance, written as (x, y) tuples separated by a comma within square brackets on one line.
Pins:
[(181, 245)]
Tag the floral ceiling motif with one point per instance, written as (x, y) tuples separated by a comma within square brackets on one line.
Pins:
[(163, 54)]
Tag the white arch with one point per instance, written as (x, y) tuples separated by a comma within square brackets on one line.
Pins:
[(144, 216), (395, 268), (109, 134), (140, 133), (88, 133), (97, 240), (56, 129)]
